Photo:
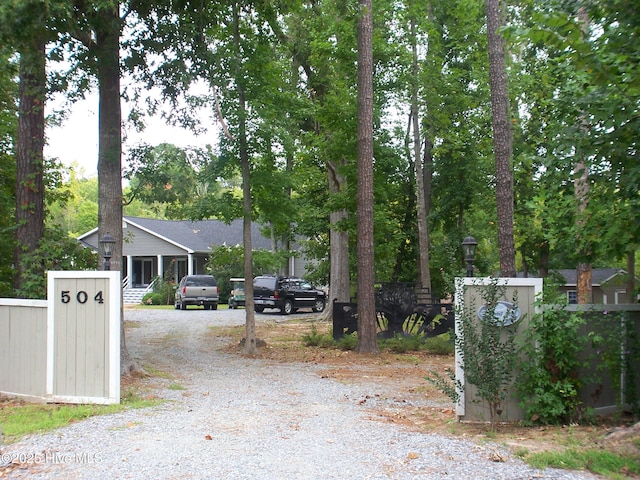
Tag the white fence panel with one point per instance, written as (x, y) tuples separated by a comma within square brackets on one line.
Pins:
[(65, 349), (23, 347)]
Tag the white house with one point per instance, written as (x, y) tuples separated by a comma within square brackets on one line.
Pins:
[(151, 247)]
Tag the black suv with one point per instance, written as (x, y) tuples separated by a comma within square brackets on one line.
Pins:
[(287, 294)]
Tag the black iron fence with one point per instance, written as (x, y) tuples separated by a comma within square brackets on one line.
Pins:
[(402, 308)]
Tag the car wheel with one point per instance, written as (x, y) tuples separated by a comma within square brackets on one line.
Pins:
[(287, 307), (183, 306), (214, 306), (318, 306), (259, 308), (176, 305)]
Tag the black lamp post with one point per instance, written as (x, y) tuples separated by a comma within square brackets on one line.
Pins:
[(106, 244), (469, 245)]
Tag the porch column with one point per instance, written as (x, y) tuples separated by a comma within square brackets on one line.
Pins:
[(190, 264), (160, 268), (130, 271)]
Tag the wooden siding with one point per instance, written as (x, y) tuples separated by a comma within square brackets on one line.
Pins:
[(140, 243), (84, 337), (471, 408), (65, 348), (23, 347), (81, 347)]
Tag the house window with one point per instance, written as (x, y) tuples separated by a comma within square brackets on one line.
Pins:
[(572, 296)]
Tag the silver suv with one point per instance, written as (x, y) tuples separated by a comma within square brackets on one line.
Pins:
[(197, 290)]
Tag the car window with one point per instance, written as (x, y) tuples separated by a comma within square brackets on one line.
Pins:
[(306, 286), (264, 282), (201, 282)]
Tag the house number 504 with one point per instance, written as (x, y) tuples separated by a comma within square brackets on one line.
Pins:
[(81, 297)]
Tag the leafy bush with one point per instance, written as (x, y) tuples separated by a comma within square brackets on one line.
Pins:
[(549, 382), (487, 349), (152, 298), (403, 343), (440, 345), (56, 251), (348, 342), (317, 339), (163, 292), (226, 262), (450, 387)]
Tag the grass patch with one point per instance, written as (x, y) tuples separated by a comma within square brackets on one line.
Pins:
[(601, 462), (19, 418), (176, 386), (154, 372)]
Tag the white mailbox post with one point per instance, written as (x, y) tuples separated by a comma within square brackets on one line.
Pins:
[(83, 336)]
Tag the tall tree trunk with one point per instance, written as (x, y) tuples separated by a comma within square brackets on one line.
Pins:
[(30, 159), (367, 338), (423, 230), (584, 276), (632, 291), (581, 187), (250, 344), (107, 50), (339, 286), (502, 139)]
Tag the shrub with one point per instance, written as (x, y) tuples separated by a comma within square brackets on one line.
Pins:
[(317, 339), (549, 382), (487, 349), (403, 343), (440, 345), (152, 298), (348, 342)]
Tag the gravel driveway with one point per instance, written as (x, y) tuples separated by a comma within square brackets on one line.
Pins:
[(241, 418)]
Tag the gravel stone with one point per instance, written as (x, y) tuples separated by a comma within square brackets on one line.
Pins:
[(243, 418)]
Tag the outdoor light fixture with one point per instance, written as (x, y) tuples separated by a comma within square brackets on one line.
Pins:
[(106, 247), (469, 245)]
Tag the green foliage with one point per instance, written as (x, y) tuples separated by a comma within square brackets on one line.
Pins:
[(19, 419), (173, 180), (440, 345), (348, 342), (610, 333), (487, 349), (8, 131), (226, 262), (56, 251), (601, 462), (449, 386), (549, 382), (402, 343), (152, 298), (317, 339), (164, 289)]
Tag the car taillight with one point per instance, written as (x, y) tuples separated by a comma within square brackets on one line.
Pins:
[(184, 290), (275, 294), (218, 290)]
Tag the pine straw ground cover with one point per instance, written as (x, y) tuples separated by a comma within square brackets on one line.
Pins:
[(401, 377)]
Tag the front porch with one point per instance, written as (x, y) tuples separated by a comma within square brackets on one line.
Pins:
[(140, 272)]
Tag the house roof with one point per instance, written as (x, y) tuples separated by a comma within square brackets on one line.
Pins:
[(599, 276), (196, 236)]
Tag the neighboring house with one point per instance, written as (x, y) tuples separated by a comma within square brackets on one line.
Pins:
[(154, 247), (608, 285)]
